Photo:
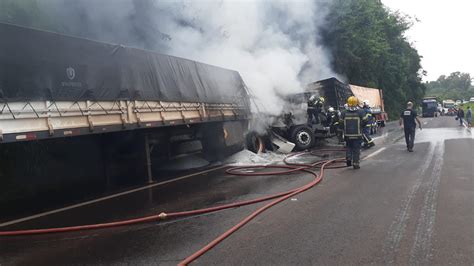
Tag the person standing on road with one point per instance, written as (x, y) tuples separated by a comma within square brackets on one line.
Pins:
[(469, 116), (368, 142), (353, 119), (460, 115), (407, 122)]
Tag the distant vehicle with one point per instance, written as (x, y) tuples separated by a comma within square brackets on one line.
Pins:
[(429, 107), (471, 100), (458, 102), (449, 107), (440, 108)]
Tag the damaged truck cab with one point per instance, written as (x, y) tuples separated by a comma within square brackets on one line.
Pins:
[(290, 131)]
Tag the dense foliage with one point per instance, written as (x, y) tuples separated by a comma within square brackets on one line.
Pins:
[(456, 86), (369, 48)]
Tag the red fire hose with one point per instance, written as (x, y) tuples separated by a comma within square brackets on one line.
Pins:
[(238, 171)]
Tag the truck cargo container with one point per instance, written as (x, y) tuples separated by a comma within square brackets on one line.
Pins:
[(375, 100), (77, 113), (53, 86)]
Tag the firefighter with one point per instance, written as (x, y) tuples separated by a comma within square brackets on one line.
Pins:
[(353, 119), (334, 123), (368, 141), (315, 107), (333, 116)]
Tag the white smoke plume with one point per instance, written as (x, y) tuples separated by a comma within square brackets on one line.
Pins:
[(275, 45)]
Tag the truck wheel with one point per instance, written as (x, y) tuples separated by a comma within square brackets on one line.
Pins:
[(303, 137), (254, 142)]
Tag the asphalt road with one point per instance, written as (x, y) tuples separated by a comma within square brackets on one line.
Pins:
[(399, 208)]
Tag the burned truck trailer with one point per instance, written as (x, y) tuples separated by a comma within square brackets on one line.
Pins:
[(55, 86)]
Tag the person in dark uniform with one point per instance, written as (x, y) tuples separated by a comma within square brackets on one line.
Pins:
[(407, 122), (353, 119), (315, 107), (368, 141), (334, 123)]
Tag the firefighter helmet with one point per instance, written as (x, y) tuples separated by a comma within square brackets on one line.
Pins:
[(352, 101)]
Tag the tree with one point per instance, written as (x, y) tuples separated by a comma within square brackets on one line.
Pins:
[(457, 85), (369, 48)]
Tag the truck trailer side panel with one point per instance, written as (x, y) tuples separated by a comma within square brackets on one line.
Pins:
[(374, 96)]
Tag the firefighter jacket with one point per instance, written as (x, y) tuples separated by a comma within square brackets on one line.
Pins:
[(353, 120), (368, 116), (315, 104)]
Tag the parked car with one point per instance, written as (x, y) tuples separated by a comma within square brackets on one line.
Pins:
[(471, 100)]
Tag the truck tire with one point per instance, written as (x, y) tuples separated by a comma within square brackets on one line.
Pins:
[(302, 137), (254, 142)]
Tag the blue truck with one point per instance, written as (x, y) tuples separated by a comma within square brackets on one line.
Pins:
[(429, 107)]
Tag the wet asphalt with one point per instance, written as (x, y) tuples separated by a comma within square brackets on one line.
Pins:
[(399, 208)]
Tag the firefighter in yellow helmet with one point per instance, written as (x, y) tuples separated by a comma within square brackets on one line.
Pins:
[(353, 120)]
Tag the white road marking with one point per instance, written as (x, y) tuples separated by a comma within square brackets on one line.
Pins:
[(374, 153), (107, 197), (425, 122), (421, 252), (385, 134), (397, 229)]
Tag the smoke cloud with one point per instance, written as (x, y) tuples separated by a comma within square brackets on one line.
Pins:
[(275, 45)]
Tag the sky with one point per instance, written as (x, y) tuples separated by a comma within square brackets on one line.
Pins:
[(444, 36)]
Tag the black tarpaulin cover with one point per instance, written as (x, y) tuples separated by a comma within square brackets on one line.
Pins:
[(39, 65)]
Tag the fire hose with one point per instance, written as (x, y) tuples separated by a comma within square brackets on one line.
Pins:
[(288, 168)]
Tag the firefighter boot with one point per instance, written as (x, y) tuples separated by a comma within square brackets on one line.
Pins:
[(356, 165), (348, 162)]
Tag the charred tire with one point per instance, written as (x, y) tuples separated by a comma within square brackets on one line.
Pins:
[(302, 136), (254, 142)]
